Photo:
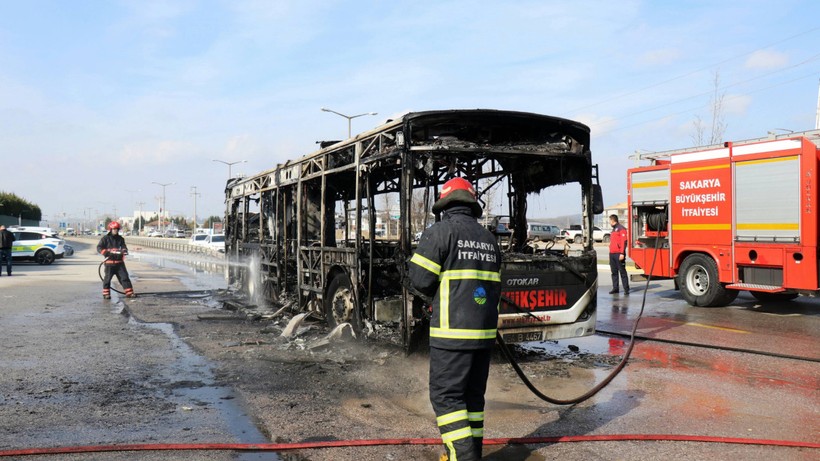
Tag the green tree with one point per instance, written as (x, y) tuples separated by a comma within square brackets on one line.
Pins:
[(12, 205)]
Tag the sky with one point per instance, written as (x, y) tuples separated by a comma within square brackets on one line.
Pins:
[(100, 100)]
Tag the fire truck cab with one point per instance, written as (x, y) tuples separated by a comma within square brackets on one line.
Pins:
[(731, 217)]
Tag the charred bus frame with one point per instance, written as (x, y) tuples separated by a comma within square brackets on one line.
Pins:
[(306, 229)]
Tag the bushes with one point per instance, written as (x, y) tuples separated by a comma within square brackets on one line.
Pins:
[(12, 205)]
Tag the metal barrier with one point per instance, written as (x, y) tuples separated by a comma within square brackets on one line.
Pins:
[(170, 244)]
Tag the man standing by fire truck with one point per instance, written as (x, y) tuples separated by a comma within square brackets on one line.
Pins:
[(458, 263), (112, 246), (617, 254)]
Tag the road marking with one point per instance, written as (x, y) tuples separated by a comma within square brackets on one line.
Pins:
[(733, 330)]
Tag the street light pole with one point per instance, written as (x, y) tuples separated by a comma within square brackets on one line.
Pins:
[(348, 117), (229, 165), (164, 207), (195, 194)]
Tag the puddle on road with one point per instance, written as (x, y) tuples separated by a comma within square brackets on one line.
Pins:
[(200, 273), (575, 347), (191, 380), (190, 376)]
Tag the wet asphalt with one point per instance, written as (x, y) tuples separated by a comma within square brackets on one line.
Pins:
[(77, 370)]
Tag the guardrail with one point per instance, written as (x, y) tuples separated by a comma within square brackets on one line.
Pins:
[(171, 244)]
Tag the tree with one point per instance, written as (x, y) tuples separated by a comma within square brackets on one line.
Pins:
[(718, 122), (210, 221), (12, 205)]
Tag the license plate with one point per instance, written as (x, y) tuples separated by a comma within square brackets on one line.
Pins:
[(522, 337)]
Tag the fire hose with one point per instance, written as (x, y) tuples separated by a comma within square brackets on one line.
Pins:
[(181, 293), (275, 447)]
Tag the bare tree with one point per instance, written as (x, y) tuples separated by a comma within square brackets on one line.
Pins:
[(718, 124)]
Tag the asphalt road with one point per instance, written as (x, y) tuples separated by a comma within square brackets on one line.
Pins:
[(76, 370)]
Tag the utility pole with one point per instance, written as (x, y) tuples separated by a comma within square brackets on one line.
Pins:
[(195, 194), (817, 118), (140, 218)]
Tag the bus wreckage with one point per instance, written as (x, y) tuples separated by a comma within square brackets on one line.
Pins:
[(333, 231)]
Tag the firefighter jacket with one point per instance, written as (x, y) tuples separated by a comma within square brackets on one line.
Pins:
[(113, 248), (617, 239), (458, 263)]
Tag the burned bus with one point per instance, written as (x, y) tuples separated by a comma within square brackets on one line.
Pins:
[(332, 232)]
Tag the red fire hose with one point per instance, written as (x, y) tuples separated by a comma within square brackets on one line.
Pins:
[(405, 441)]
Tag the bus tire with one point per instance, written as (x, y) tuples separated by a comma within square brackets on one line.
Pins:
[(340, 304), (764, 297), (699, 282)]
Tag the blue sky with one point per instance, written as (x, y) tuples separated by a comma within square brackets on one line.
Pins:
[(98, 99)]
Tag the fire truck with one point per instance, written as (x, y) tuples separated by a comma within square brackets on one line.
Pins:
[(721, 219)]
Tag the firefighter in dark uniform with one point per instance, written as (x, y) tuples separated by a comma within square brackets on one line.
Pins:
[(458, 264), (112, 246)]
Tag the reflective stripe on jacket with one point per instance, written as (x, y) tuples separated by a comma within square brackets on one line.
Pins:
[(112, 242), (458, 264)]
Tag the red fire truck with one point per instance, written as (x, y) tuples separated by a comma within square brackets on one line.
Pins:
[(731, 217)]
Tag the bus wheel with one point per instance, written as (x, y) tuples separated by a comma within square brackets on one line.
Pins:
[(340, 303), (764, 297), (699, 282)]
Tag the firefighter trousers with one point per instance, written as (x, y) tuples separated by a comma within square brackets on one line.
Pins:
[(458, 379), (122, 276), (618, 267)]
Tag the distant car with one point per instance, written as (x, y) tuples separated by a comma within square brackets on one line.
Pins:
[(542, 231), (198, 239), (574, 233), (215, 242), (600, 235), (177, 234), (40, 244), (155, 234)]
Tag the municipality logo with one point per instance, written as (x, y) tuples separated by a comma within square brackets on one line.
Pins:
[(480, 295)]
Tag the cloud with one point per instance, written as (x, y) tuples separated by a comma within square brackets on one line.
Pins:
[(150, 153), (766, 59), (737, 104), (659, 57)]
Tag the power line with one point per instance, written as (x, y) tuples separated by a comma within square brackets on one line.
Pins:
[(654, 85), (689, 110), (677, 101)]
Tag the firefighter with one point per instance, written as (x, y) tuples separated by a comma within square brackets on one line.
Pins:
[(617, 254), (458, 263), (112, 246)]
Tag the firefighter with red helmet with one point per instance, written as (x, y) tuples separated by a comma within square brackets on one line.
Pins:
[(458, 264), (112, 246)]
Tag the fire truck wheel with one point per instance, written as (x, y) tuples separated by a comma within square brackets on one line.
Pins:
[(699, 282), (340, 303), (773, 297)]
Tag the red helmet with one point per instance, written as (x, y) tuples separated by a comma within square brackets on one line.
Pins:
[(113, 225), (456, 184), (457, 190)]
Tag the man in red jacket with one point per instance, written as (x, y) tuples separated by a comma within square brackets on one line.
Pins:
[(617, 254)]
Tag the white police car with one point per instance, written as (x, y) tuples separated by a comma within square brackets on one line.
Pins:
[(40, 244)]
